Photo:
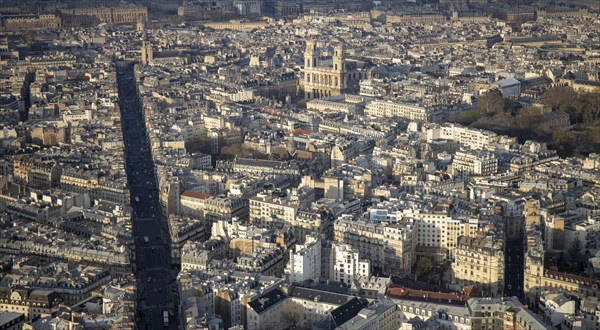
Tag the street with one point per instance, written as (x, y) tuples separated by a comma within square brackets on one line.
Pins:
[(154, 272), (513, 262)]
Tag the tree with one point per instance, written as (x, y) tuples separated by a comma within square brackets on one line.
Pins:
[(565, 99), (237, 150), (424, 265), (199, 144), (590, 107), (490, 102), (523, 119), (558, 95), (562, 138)]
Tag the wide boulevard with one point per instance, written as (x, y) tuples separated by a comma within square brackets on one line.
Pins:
[(156, 289)]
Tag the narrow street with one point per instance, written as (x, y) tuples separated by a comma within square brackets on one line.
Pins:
[(513, 264)]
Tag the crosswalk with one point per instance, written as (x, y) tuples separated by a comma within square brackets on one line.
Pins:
[(152, 269), (159, 307)]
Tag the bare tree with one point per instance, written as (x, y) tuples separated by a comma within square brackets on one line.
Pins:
[(490, 103)]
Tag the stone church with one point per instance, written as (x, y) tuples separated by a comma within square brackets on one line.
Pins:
[(329, 77)]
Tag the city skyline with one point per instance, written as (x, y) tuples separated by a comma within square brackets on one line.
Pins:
[(278, 164)]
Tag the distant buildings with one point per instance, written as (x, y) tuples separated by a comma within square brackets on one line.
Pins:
[(303, 182)]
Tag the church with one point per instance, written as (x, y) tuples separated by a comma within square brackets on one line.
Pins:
[(330, 77)]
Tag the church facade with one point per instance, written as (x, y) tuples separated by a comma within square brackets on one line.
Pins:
[(324, 78)]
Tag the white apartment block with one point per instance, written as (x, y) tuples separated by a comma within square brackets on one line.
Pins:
[(347, 264), (468, 137), (389, 109), (305, 262)]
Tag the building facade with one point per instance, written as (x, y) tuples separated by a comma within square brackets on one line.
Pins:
[(322, 79), (480, 262)]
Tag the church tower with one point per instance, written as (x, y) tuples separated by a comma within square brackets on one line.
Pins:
[(147, 56), (310, 54), (338, 58), (339, 69)]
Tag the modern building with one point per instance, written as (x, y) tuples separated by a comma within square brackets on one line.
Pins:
[(305, 262), (347, 264), (509, 87)]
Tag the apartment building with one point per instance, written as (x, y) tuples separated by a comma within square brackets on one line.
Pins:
[(44, 175), (267, 311), (533, 268), (198, 255), (183, 229), (410, 112), (118, 15), (317, 220), (469, 137), (480, 262), (309, 305), (31, 303), (213, 208), (347, 264), (343, 182), (401, 246), (503, 313), (11, 320), (114, 191), (305, 262), (270, 262), (538, 279), (79, 181), (437, 232), (585, 231), (32, 22), (383, 315), (468, 163), (394, 247), (365, 237), (267, 210)]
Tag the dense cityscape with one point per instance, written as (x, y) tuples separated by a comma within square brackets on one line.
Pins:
[(300, 164)]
